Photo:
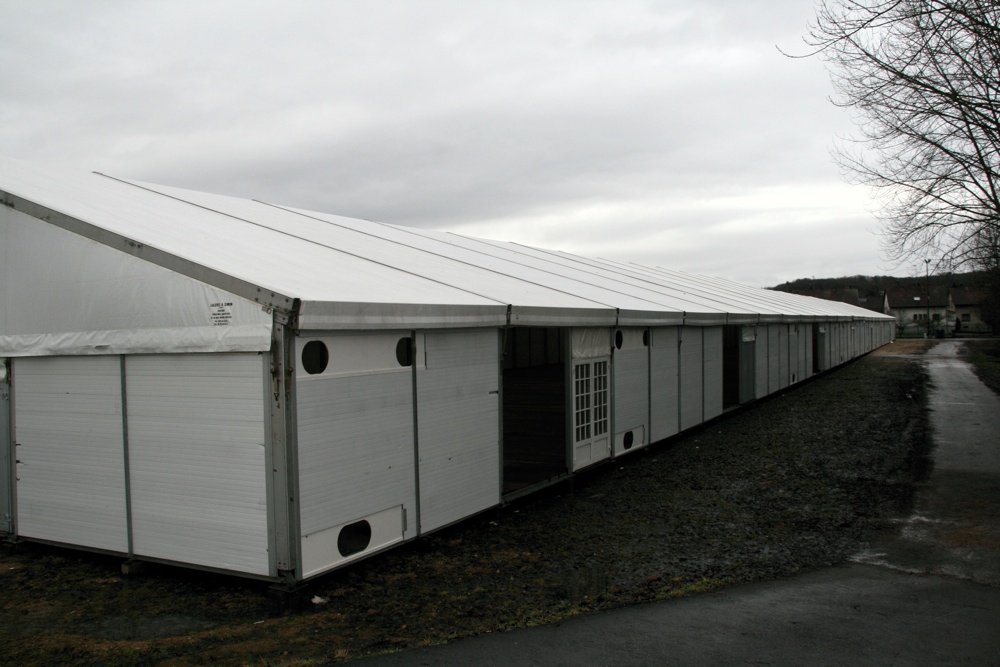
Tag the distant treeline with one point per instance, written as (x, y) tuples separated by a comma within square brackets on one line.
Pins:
[(875, 285)]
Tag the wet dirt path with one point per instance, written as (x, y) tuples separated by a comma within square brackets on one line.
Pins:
[(954, 529)]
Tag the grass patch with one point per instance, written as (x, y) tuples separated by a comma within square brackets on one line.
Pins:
[(683, 589), (984, 355)]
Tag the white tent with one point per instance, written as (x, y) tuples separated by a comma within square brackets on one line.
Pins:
[(241, 386)]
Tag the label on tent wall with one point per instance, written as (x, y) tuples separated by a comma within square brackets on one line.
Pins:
[(221, 313)]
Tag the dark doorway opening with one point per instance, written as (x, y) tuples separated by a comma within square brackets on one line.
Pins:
[(534, 406), (731, 340), (817, 337)]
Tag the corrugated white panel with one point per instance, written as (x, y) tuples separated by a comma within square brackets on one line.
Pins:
[(805, 351), (712, 356), (837, 351), (793, 354), (664, 394), (458, 424), (630, 391), (691, 377), (6, 452), (806, 343), (774, 343), (324, 549), (70, 454), (783, 355), (832, 340), (761, 349), (824, 345), (196, 457), (748, 364), (832, 344), (355, 440)]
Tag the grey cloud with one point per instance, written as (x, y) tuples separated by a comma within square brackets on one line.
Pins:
[(445, 114)]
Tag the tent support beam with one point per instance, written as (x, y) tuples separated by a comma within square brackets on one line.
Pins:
[(282, 459)]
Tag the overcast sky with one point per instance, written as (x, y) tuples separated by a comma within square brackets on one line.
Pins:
[(668, 133)]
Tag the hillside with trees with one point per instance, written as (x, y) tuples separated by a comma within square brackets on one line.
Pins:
[(875, 285), (980, 283)]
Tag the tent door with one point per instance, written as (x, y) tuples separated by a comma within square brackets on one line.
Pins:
[(534, 406), (458, 425), (70, 451), (591, 423), (733, 370)]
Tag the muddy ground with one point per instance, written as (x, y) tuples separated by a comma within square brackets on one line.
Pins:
[(798, 481)]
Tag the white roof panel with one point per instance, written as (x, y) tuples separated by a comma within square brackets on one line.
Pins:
[(347, 273)]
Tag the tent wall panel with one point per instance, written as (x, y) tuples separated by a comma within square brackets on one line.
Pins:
[(845, 342), (832, 336), (70, 451), (832, 344), (805, 350), (841, 349), (761, 361), (6, 452), (793, 373), (774, 342), (196, 432), (748, 364), (712, 356), (458, 422), (355, 444), (783, 355), (630, 392), (692, 368), (663, 390), (822, 344)]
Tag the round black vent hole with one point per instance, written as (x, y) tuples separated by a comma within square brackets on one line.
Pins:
[(628, 440), (354, 538), (404, 351), (619, 339), (315, 357)]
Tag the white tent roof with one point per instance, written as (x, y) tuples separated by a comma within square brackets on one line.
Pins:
[(347, 273)]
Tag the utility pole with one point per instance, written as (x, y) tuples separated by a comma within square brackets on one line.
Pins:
[(927, 273)]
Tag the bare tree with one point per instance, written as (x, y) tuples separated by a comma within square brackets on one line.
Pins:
[(923, 77)]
